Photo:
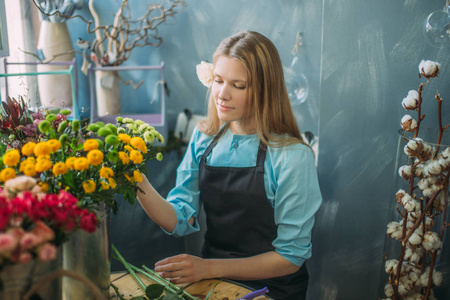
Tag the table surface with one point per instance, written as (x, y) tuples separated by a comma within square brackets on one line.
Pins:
[(224, 290)]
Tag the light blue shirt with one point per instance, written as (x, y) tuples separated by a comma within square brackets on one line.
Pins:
[(290, 180)]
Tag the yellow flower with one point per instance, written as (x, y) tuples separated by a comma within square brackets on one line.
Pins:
[(89, 186), (54, 144), (106, 172), (11, 158), (70, 162), (7, 174), (90, 144), (60, 168), (137, 176), (124, 158), (136, 157), (81, 164), (42, 148), (43, 165), (128, 148), (104, 185), (95, 157), (138, 143), (28, 148), (29, 169), (44, 186), (112, 183), (124, 138)]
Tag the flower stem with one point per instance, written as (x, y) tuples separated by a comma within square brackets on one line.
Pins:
[(119, 257)]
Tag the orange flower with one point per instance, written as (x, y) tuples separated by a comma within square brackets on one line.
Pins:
[(43, 165), (60, 169), (90, 144), (11, 158), (81, 164), (70, 162), (95, 157), (106, 172), (124, 138), (42, 148), (89, 186), (136, 157), (44, 186), (54, 144), (28, 148), (137, 176), (7, 174), (124, 158), (104, 185), (138, 143), (112, 183)]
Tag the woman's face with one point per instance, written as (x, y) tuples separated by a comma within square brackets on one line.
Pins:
[(229, 91)]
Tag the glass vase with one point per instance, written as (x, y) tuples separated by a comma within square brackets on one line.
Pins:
[(89, 255)]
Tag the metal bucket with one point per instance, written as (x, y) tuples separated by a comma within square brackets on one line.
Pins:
[(88, 255), (19, 278)]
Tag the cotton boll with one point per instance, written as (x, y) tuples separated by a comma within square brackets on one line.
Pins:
[(429, 222), (428, 192), (405, 285), (399, 195), (415, 239), (405, 172), (431, 241), (423, 184), (418, 171), (411, 100), (429, 69), (408, 123), (390, 265), (388, 290), (437, 278)]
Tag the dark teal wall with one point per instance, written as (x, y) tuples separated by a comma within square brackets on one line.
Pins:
[(362, 59)]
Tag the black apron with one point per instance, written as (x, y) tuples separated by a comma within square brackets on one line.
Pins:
[(240, 220)]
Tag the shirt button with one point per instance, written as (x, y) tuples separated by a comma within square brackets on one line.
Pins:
[(236, 145), (180, 221)]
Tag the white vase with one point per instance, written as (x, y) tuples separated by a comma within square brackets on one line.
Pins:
[(54, 90), (107, 93)]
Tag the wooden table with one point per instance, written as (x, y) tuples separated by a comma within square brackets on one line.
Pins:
[(225, 290)]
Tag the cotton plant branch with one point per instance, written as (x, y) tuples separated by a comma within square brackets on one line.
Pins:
[(413, 275)]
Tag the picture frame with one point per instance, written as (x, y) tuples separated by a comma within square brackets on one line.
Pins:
[(4, 46)]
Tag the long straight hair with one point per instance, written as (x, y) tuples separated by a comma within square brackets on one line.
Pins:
[(267, 106)]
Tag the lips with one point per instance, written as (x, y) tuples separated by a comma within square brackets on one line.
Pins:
[(224, 107)]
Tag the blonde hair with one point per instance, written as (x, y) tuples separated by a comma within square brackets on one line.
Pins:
[(268, 107)]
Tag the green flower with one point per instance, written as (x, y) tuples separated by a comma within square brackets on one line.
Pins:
[(100, 143), (112, 140), (113, 156), (128, 120), (159, 156), (112, 127), (100, 123), (139, 122), (65, 112), (119, 120), (44, 126), (93, 127), (121, 130), (51, 117), (63, 138), (104, 131), (149, 137)]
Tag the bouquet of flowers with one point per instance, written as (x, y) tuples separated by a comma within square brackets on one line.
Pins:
[(93, 163), (33, 224)]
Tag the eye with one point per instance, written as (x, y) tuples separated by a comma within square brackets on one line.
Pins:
[(240, 87)]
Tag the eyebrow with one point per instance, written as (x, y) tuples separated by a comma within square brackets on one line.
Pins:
[(233, 80)]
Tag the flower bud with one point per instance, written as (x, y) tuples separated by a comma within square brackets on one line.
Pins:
[(63, 138), (112, 127), (75, 125), (159, 156), (113, 156), (104, 131), (62, 126)]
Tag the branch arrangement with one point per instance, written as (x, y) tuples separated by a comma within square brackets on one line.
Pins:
[(423, 206), (113, 43)]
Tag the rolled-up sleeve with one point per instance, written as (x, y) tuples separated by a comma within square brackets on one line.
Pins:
[(297, 198)]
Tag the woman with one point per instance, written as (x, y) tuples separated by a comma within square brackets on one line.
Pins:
[(249, 167)]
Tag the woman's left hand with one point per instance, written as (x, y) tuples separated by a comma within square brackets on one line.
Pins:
[(183, 268)]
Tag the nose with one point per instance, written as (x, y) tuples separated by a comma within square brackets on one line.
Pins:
[(224, 92)]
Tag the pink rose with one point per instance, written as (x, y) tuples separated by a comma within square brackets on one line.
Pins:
[(8, 243), (47, 252), (28, 241), (43, 232), (24, 258)]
